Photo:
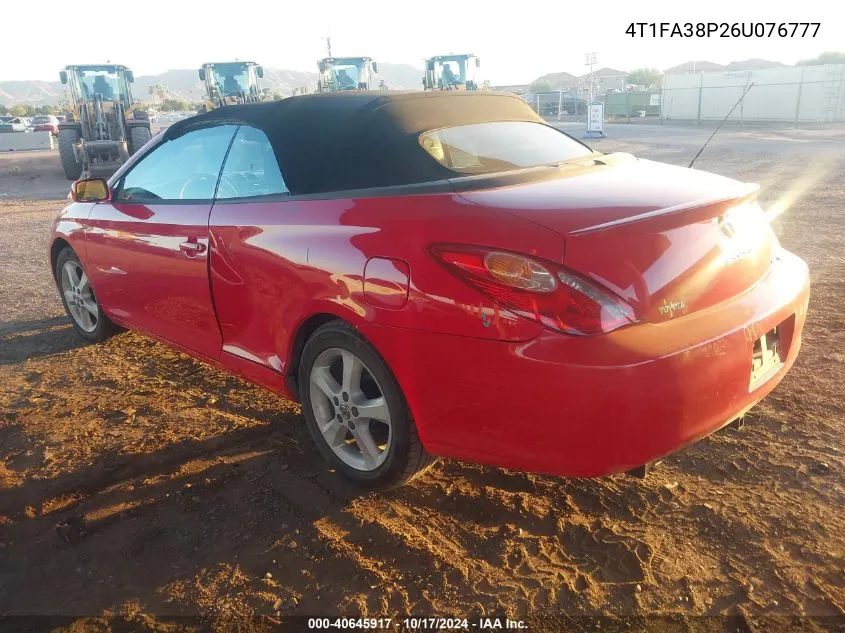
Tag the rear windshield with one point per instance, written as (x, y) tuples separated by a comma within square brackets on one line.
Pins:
[(486, 148)]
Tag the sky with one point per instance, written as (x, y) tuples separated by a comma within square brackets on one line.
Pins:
[(516, 41)]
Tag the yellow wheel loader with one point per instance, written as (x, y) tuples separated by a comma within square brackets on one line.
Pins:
[(229, 83), (103, 126)]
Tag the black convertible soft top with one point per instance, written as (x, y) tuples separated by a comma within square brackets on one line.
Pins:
[(359, 140)]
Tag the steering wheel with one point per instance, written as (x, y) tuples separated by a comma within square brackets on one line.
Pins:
[(226, 188), (232, 190)]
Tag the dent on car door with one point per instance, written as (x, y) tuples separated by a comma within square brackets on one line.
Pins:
[(255, 258), (149, 246)]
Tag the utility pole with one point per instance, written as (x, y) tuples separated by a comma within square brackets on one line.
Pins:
[(560, 102), (595, 128), (591, 61)]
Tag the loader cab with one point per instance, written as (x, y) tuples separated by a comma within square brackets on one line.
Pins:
[(108, 82), (451, 72), (232, 82), (346, 73)]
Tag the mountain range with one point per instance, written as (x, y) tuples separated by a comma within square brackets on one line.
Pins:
[(185, 84)]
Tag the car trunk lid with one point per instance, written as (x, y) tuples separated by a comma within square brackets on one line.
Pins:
[(668, 240)]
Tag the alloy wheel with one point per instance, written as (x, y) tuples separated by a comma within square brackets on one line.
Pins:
[(350, 409), (79, 296)]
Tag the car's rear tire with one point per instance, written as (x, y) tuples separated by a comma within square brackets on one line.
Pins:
[(342, 378), (78, 298), (138, 137), (68, 137)]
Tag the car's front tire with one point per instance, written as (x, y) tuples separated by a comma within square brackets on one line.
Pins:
[(355, 410), (79, 300)]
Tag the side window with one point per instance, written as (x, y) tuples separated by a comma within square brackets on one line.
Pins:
[(251, 168), (183, 168)]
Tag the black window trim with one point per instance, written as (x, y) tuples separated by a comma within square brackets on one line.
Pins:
[(454, 186)]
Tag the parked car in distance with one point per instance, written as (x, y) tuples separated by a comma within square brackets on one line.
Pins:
[(441, 274), (14, 124), (45, 123)]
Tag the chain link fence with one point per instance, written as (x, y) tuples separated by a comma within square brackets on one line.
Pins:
[(795, 95), (560, 106), (809, 94)]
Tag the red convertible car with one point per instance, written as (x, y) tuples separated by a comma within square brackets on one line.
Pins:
[(441, 274)]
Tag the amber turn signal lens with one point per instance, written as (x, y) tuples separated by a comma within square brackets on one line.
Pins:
[(519, 272)]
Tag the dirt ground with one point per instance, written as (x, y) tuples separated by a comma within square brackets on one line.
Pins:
[(35, 175), (135, 481)]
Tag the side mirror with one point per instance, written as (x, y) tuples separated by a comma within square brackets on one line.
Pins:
[(202, 74), (375, 67), (130, 77), (63, 76), (90, 190), (478, 62), (322, 67), (260, 72)]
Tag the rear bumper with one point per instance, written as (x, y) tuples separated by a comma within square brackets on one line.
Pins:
[(588, 407)]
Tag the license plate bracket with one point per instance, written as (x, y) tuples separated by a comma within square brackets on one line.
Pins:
[(766, 357)]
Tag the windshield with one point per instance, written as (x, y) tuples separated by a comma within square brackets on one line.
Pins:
[(347, 74), (42, 119), (454, 71), (486, 148), (231, 79), (104, 81)]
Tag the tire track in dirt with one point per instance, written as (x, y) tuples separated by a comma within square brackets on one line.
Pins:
[(120, 470)]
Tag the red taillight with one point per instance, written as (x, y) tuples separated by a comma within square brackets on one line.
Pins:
[(541, 291)]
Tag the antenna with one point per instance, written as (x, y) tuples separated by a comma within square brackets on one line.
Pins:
[(721, 124)]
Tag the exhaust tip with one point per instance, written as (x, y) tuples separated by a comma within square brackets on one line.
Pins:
[(639, 472), (738, 423)]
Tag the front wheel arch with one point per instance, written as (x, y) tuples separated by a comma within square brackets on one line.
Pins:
[(58, 245), (103, 327)]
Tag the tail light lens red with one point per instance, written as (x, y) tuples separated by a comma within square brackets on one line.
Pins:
[(541, 291)]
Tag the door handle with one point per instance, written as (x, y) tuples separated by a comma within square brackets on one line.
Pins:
[(191, 248)]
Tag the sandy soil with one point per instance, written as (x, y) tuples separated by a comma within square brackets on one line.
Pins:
[(136, 481)]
